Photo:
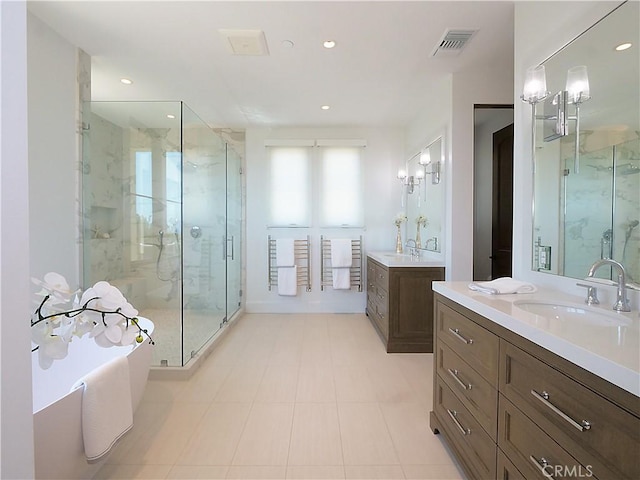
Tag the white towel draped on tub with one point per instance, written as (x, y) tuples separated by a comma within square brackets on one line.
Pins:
[(341, 260), (503, 285), (287, 270), (107, 413)]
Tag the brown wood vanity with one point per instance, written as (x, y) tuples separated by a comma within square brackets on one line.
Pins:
[(400, 305), (509, 408)]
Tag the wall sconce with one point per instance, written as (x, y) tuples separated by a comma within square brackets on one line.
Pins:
[(577, 88), (424, 161), (409, 181), (576, 92), (534, 92)]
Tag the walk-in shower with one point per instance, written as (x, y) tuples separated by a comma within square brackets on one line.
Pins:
[(162, 214), (601, 211)]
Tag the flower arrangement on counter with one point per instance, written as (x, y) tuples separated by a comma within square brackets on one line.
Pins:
[(101, 311), (400, 219)]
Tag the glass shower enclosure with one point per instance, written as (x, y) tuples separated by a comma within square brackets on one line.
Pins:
[(161, 219)]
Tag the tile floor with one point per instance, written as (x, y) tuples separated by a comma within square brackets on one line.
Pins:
[(290, 396)]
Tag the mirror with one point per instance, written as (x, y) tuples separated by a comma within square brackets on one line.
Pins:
[(425, 197), (587, 199)]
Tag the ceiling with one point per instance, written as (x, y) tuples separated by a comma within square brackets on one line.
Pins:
[(379, 73)]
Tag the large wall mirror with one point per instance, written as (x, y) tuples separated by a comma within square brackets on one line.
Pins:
[(425, 197), (587, 171)]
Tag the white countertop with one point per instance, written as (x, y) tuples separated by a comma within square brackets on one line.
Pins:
[(611, 352), (392, 259)]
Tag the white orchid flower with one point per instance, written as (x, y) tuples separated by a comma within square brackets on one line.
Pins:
[(56, 286)]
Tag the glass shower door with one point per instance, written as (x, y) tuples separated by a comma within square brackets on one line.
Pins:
[(234, 231), (204, 230)]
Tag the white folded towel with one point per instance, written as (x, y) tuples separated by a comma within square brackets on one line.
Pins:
[(107, 413), (341, 260), (285, 256), (503, 285), (288, 281), (341, 253)]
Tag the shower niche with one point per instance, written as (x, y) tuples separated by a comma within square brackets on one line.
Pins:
[(161, 219)]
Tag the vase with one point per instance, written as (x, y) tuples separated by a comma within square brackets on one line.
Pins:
[(398, 241), (418, 240)]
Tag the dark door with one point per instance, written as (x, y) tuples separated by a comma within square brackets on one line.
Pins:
[(502, 221)]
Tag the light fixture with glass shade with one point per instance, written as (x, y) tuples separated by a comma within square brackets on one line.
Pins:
[(534, 92), (577, 88)]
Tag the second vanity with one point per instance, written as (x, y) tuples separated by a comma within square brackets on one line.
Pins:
[(400, 300), (529, 386)]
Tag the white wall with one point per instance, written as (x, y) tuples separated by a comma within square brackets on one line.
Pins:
[(383, 154), (16, 438), (534, 42), (53, 162), (492, 84), (483, 189)]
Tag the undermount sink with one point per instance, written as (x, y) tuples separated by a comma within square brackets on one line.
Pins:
[(569, 312)]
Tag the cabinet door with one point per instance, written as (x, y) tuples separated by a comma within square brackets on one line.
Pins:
[(411, 308)]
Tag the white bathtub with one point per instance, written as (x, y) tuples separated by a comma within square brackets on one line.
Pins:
[(58, 443)]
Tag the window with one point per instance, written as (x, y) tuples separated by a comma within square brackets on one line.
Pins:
[(341, 187), (289, 186)]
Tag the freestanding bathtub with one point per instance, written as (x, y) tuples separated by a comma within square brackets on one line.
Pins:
[(57, 411)]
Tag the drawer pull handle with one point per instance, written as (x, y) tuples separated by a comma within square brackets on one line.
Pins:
[(542, 465), (453, 414), (544, 398), (454, 374), (457, 334)]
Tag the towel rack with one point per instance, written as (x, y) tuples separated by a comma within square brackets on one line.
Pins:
[(325, 263), (302, 259)]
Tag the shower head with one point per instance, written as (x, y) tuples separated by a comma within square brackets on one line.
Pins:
[(633, 224)]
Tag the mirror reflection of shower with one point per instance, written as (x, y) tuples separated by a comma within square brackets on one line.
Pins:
[(606, 244), (627, 235)]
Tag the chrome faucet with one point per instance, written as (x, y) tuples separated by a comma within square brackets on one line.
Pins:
[(622, 303), (413, 250)]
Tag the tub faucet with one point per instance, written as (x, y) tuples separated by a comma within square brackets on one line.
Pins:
[(622, 303)]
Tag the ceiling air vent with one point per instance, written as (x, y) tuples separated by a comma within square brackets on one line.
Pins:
[(245, 42), (452, 42)]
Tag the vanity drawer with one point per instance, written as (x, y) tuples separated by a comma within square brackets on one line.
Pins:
[(531, 450), (382, 277), (478, 395), (560, 406), (506, 469), (476, 345), (472, 443)]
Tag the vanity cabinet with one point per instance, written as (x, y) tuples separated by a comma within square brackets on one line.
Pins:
[(400, 305), (511, 409)]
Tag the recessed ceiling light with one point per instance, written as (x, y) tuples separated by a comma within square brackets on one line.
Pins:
[(287, 43), (623, 46), (329, 44), (171, 116), (126, 81), (325, 107)]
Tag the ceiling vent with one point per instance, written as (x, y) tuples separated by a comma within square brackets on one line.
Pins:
[(452, 43), (245, 42)]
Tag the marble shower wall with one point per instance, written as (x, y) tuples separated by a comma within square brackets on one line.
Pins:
[(602, 203)]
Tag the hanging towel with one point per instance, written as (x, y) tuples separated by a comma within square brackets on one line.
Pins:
[(107, 413), (341, 263), (285, 256), (503, 285), (288, 281)]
